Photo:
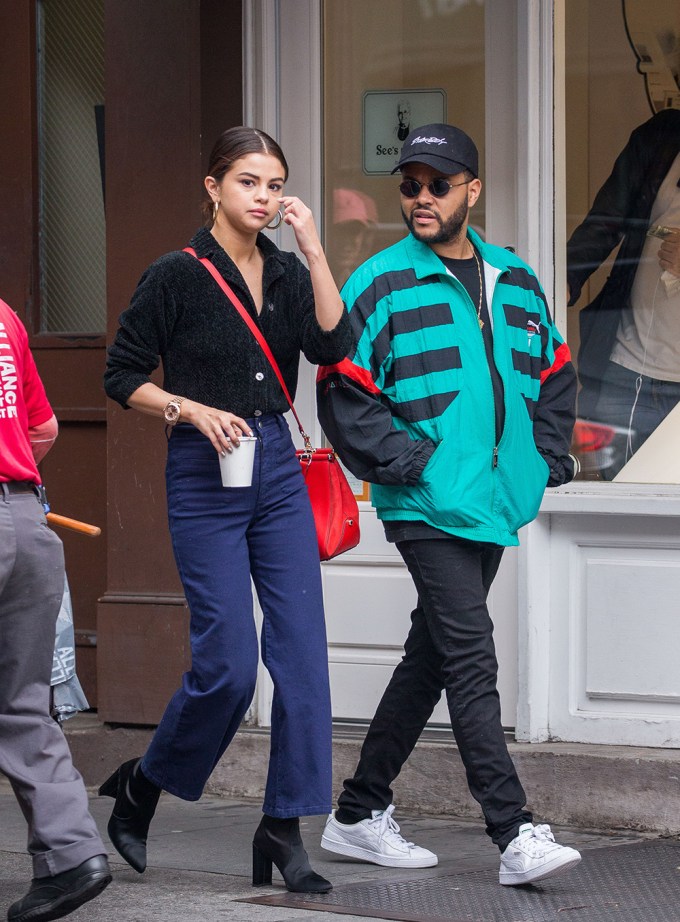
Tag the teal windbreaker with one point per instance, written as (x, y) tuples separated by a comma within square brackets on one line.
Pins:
[(412, 407)]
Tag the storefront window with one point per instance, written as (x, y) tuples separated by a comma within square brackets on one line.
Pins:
[(389, 66), (623, 233)]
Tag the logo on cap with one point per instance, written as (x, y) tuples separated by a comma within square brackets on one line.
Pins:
[(430, 140)]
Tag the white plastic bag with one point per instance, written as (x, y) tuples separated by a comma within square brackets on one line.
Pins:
[(67, 694)]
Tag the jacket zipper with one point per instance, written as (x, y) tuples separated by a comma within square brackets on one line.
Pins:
[(489, 305), (494, 463)]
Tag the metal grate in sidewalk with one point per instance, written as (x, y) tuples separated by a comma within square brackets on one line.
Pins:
[(625, 883)]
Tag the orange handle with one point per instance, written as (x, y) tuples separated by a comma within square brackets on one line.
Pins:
[(81, 527)]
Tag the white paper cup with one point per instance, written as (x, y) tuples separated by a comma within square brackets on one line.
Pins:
[(237, 465)]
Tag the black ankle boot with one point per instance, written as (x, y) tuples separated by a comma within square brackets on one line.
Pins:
[(279, 842), (136, 800)]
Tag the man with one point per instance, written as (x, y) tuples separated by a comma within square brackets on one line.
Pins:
[(457, 404), (629, 359), (403, 119), (69, 858)]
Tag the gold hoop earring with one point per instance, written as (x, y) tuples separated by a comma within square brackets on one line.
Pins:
[(216, 208), (274, 226)]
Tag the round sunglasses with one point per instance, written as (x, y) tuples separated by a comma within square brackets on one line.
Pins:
[(410, 188)]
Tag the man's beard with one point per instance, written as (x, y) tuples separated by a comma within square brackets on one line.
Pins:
[(449, 230)]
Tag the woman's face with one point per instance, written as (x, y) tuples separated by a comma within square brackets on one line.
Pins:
[(250, 190)]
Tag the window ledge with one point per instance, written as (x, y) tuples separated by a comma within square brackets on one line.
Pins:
[(614, 499)]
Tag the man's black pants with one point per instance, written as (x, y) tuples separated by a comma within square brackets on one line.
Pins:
[(449, 646)]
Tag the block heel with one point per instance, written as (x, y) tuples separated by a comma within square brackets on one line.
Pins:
[(110, 786), (278, 841), (262, 868)]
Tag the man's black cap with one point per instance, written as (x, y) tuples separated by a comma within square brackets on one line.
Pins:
[(443, 147)]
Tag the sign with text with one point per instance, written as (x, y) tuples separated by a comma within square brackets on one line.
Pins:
[(389, 115)]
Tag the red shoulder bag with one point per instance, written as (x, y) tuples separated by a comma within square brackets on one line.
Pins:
[(336, 513)]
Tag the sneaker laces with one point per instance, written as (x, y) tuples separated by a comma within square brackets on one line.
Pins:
[(536, 839), (388, 828)]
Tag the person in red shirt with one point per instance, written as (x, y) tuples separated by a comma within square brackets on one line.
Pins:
[(69, 858)]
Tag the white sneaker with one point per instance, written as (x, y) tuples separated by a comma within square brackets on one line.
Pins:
[(534, 855), (376, 840)]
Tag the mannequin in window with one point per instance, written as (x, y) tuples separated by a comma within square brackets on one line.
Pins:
[(629, 359)]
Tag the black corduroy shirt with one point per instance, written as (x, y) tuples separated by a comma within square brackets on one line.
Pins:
[(179, 316)]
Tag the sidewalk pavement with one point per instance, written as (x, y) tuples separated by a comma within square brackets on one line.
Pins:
[(200, 854)]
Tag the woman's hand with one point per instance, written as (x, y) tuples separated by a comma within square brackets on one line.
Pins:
[(221, 427), (327, 303), (300, 218)]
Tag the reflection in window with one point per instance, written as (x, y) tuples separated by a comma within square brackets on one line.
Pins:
[(72, 236), (623, 228), (416, 63)]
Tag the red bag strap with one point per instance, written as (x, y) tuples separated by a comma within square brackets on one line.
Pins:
[(257, 333)]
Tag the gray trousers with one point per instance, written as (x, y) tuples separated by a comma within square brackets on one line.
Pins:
[(34, 754)]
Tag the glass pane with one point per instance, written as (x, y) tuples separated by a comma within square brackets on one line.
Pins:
[(71, 95), (623, 230), (391, 65)]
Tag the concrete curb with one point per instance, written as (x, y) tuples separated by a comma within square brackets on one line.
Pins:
[(592, 787)]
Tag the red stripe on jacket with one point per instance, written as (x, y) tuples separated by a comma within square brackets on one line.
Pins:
[(350, 370), (562, 356)]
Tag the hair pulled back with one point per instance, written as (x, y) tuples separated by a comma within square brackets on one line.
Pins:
[(233, 144)]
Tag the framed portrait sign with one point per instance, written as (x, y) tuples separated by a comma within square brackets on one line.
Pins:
[(388, 116)]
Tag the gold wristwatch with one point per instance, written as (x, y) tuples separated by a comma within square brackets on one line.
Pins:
[(172, 410)]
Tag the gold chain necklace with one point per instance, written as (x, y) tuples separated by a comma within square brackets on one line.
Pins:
[(481, 290)]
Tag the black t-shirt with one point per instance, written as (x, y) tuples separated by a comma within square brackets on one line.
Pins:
[(467, 273)]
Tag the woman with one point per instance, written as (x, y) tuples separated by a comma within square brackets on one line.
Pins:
[(218, 386)]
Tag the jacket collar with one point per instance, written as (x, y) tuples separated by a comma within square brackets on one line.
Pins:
[(426, 262)]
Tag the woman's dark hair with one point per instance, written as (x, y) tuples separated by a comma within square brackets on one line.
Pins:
[(233, 144)]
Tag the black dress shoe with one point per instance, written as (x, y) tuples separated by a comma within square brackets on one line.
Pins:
[(136, 802), (278, 842), (54, 897)]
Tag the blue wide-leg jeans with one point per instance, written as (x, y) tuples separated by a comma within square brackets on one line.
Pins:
[(221, 537)]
